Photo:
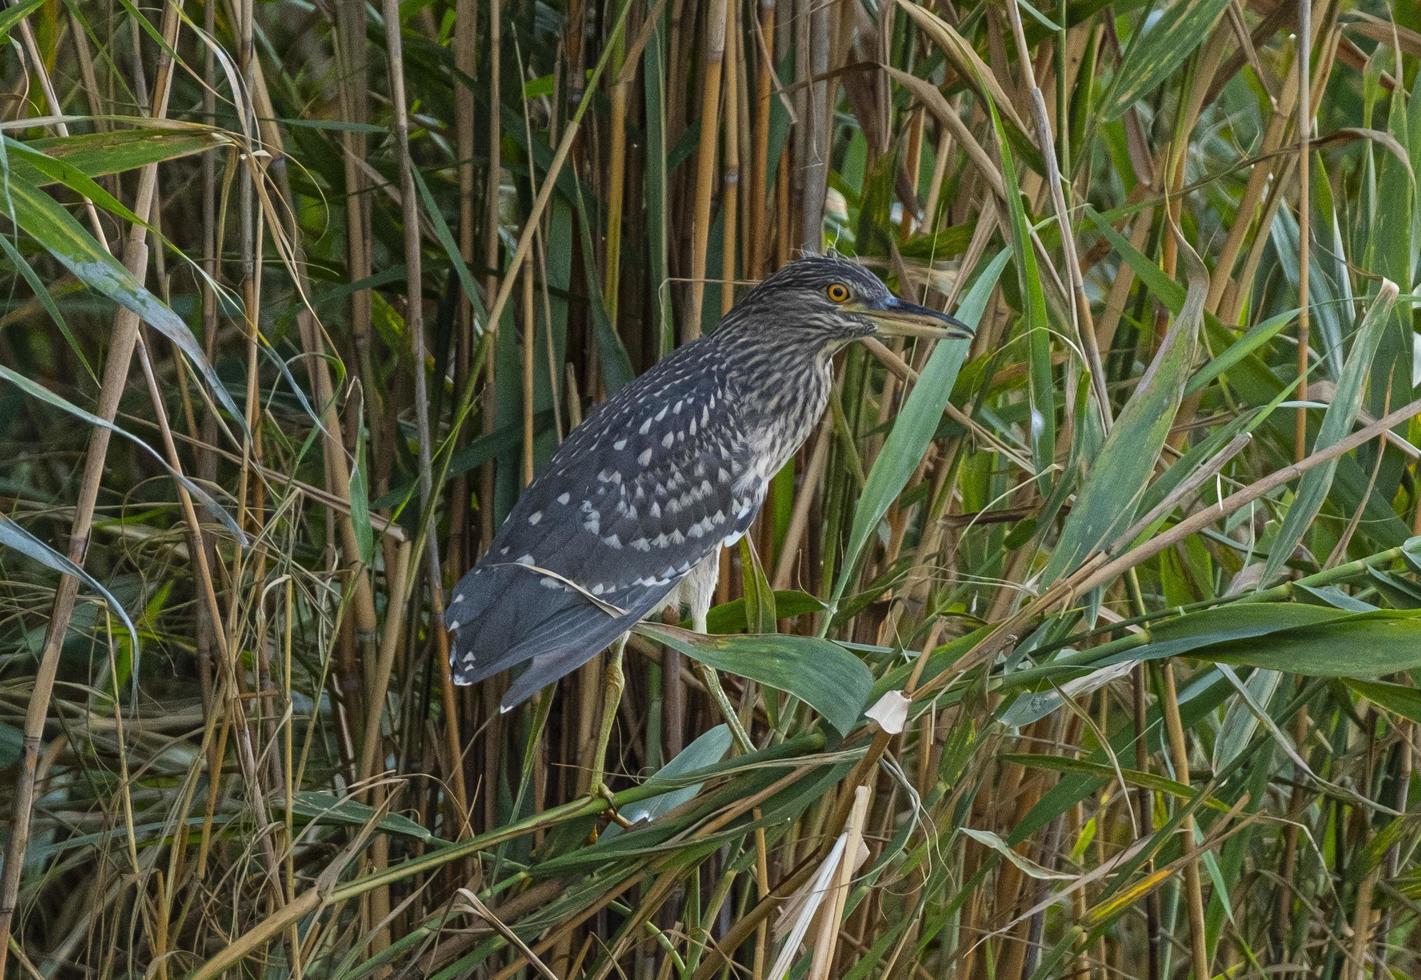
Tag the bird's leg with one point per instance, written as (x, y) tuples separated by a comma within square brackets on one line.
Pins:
[(613, 683), (709, 678)]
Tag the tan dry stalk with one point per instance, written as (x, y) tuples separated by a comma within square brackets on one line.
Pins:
[(712, 64), (355, 99), (730, 166), (1193, 884), (832, 913)]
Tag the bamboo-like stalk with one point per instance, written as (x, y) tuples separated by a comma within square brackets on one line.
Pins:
[(730, 163), (712, 64), (1193, 886), (759, 212), (811, 67), (619, 92)]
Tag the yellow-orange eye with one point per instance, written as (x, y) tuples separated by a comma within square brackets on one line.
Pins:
[(837, 292)]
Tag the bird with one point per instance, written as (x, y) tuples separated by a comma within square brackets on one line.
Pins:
[(630, 513)]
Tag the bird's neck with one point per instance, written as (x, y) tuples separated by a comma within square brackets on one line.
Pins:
[(784, 390)]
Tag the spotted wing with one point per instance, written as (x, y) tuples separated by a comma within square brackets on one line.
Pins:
[(641, 493)]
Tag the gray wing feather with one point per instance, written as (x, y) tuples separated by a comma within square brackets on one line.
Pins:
[(637, 496)]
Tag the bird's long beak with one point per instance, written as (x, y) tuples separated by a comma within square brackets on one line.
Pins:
[(899, 318)]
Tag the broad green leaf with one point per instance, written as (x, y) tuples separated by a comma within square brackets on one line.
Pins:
[(1254, 338), (1293, 638), (118, 151), (733, 617), (1031, 707), (915, 426), (822, 674), (1107, 501), (29, 164), (329, 808), (17, 538), (1241, 717), (1222, 624), (1027, 866), (1158, 49), (1397, 698), (1391, 252), (54, 228), (708, 749), (1041, 375), (1336, 423), (12, 16), (1356, 645)]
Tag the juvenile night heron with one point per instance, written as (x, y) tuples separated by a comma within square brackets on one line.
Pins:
[(630, 514)]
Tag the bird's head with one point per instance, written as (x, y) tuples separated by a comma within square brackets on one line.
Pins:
[(831, 301)]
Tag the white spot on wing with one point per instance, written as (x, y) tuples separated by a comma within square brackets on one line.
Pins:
[(535, 517), (645, 456), (563, 498)]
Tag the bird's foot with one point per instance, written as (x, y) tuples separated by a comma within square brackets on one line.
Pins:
[(612, 813), (599, 792)]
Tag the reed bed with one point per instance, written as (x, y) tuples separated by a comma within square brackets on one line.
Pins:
[(300, 295)]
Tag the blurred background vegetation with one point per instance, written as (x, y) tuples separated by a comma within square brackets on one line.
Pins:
[(299, 294)]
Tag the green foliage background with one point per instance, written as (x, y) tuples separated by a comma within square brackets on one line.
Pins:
[(339, 276)]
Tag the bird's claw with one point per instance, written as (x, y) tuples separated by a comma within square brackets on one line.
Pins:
[(601, 793)]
